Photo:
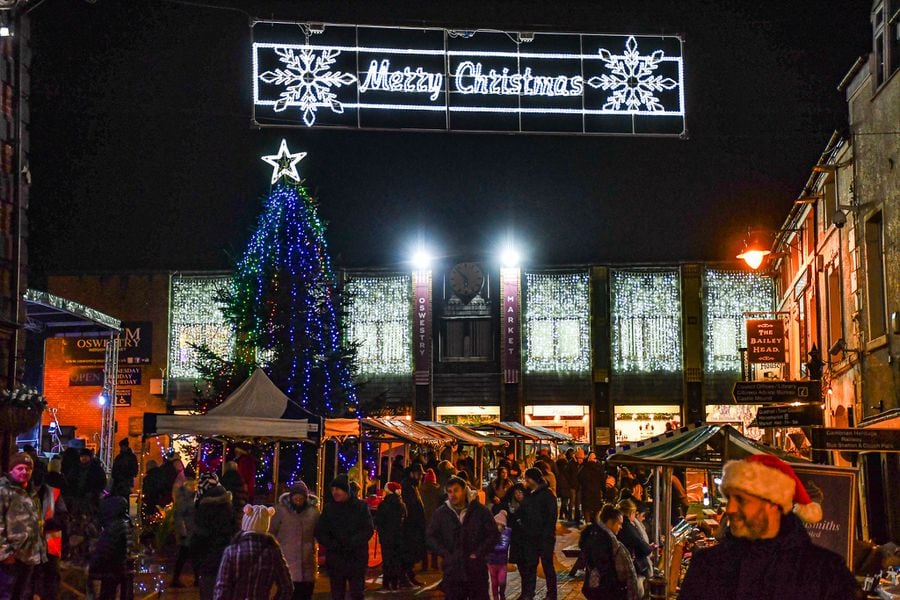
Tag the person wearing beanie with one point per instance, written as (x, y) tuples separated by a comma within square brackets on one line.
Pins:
[(766, 552), (215, 524), (499, 557), (432, 496), (21, 540), (253, 563), (388, 519), (344, 529), (537, 520), (294, 526)]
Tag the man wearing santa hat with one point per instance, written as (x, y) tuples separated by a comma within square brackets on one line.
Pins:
[(767, 553)]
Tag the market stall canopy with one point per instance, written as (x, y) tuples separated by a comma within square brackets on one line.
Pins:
[(386, 429), (697, 446), (513, 429), (410, 432), (555, 436), (255, 410), (464, 435)]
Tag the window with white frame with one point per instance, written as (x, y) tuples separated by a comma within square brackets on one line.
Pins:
[(557, 322), (727, 296), (646, 321), (379, 322), (197, 320)]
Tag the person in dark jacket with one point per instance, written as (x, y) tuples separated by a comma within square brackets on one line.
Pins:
[(573, 468), (563, 489), (232, 481), (608, 569), (414, 547), (592, 484), (537, 516), (511, 504), (214, 526), (637, 546), (109, 558), (767, 552), (497, 488), (124, 470), (90, 479), (344, 529), (463, 532), (388, 521)]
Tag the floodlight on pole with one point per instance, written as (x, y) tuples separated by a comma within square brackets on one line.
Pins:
[(510, 256), (421, 259)]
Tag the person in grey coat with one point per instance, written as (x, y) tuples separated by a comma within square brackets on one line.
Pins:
[(294, 526)]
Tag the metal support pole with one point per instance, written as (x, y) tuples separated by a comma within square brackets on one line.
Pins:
[(666, 518), (276, 466), (360, 463)]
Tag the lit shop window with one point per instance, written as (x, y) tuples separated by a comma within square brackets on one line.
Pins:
[(196, 320), (379, 322), (728, 295), (646, 321), (557, 322), (571, 419)]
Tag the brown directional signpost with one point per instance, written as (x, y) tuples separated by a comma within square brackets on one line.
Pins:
[(776, 392), (856, 440), (799, 415)]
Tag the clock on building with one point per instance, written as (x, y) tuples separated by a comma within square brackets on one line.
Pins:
[(466, 279)]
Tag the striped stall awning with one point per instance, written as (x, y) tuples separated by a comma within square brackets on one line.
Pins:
[(698, 446)]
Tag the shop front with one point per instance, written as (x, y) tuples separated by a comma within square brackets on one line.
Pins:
[(639, 421), (570, 419), (467, 415)]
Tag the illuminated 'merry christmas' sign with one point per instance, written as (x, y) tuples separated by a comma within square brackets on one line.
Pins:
[(398, 78)]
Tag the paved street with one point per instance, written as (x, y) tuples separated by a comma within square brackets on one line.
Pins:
[(151, 583)]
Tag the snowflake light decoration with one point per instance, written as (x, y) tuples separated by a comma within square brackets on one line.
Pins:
[(632, 82), (308, 80)]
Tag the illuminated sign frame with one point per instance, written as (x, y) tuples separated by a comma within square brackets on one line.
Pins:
[(361, 77)]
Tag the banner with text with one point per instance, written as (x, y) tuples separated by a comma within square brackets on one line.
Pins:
[(511, 363), (93, 376), (422, 327), (765, 341), (135, 346), (402, 78)]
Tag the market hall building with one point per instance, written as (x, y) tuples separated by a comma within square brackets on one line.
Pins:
[(605, 354)]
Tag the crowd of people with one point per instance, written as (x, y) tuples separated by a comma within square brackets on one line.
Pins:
[(431, 515)]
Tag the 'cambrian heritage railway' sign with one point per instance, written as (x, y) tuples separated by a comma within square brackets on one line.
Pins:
[(435, 79)]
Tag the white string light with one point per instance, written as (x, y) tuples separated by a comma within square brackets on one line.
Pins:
[(646, 321), (197, 319), (379, 322), (284, 163), (557, 322), (728, 295)]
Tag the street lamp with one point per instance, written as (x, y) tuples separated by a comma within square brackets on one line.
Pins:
[(755, 250)]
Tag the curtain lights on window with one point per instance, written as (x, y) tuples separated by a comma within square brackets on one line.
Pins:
[(557, 322), (197, 319), (728, 295), (646, 321), (379, 322)]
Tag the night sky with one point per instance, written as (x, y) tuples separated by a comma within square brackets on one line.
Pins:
[(143, 154)]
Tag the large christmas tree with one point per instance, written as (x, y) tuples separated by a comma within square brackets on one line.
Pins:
[(285, 306)]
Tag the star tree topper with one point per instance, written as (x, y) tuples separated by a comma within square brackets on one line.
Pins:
[(284, 163)]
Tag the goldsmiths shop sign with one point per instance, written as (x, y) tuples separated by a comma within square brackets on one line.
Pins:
[(437, 79)]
